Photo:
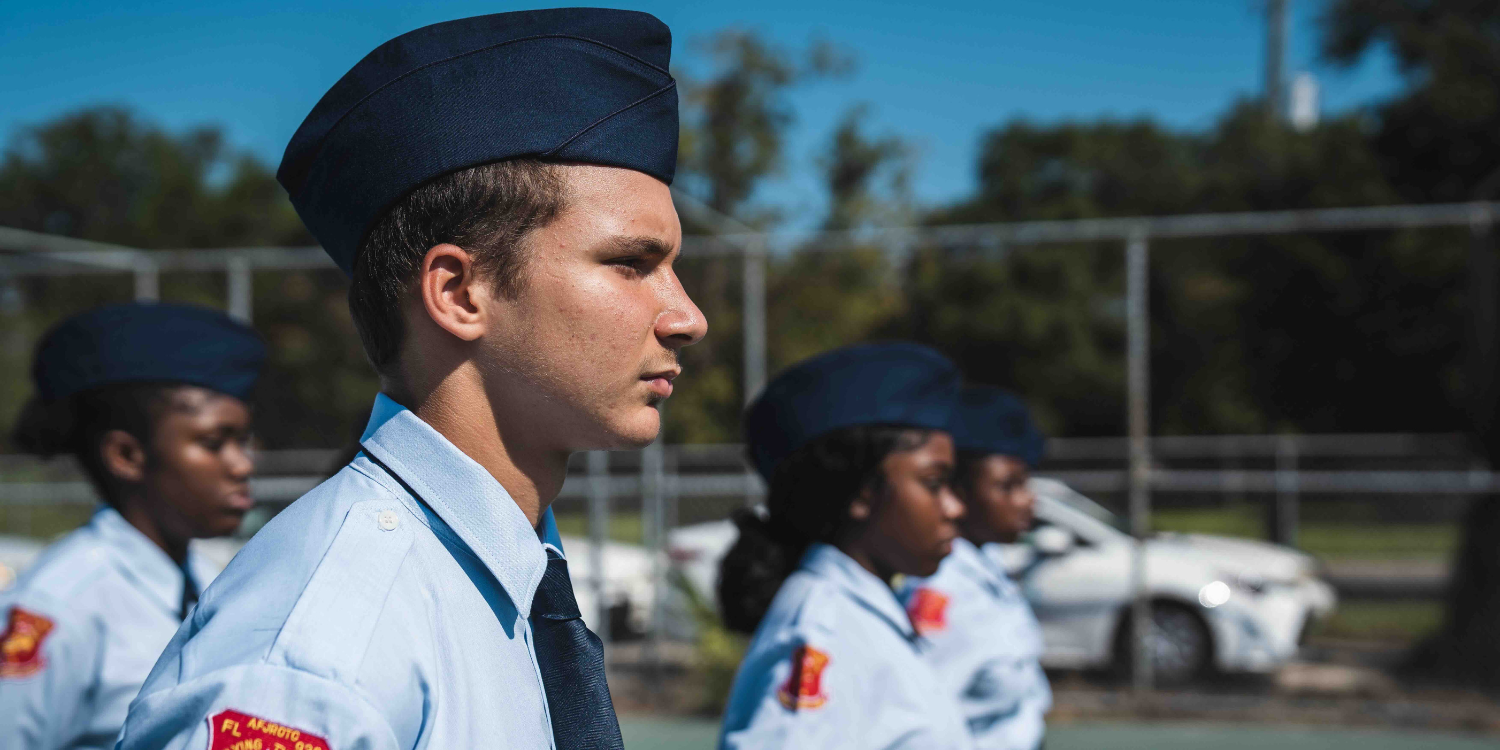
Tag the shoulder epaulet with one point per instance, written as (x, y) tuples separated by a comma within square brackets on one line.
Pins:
[(65, 569), (818, 612), (329, 627)]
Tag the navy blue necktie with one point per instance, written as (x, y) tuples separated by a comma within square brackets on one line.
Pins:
[(572, 664), (189, 592)]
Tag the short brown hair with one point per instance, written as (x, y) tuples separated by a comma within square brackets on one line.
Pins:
[(486, 210)]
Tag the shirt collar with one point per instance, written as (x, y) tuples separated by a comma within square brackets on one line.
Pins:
[(973, 562), (140, 560), (464, 495), (827, 561), (551, 538), (985, 564)]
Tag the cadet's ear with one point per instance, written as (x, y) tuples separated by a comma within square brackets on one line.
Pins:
[(124, 457), (863, 505), (452, 293)]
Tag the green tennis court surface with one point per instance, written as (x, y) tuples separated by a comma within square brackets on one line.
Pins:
[(691, 734)]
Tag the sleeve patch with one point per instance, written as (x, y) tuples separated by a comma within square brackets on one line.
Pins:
[(21, 644), (232, 730), (803, 688), (928, 610)]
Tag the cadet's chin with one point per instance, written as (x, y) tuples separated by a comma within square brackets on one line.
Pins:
[(222, 524), (636, 431)]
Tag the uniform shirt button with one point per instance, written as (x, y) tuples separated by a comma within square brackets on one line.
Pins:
[(387, 520)]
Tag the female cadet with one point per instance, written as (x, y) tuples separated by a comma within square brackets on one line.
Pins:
[(853, 446), (984, 642), (152, 400)]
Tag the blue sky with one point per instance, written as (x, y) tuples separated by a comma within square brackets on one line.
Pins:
[(939, 74)]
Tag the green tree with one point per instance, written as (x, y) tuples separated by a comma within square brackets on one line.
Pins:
[(103, 174), (868, 179), (1440, 140), (735, 119), (1248, 334), (1047, 321), (734, 123), (820, 298)]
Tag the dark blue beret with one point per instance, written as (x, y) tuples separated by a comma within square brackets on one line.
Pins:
[(894, 383), (992, 420), (571, 84), (148, 342)]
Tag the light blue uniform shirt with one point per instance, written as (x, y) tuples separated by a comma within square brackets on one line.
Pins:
[(985, 645), (109, 599), (861, 682), (363, 617)]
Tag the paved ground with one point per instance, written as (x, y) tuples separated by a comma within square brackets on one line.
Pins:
[(643, 733)]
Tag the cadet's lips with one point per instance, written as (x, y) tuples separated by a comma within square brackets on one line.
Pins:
[(240, 500), (660, 383)]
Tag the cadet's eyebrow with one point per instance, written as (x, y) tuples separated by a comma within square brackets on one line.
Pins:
[(650, 247)]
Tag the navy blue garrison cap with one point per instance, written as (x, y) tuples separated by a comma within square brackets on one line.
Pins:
[(148, 342), (893, 383), (571, 84), (992, 420)]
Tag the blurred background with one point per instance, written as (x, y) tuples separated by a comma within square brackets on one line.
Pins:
[(1257, 233)]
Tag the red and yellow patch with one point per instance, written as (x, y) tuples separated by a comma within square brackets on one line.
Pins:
[(21, 644), (232, 730), (803, 688), (928, 610)]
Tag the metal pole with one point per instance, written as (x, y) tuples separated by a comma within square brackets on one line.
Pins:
[(668, 521), (652, 516), (598, 466), (147, 280), (241, 283), (755, 334), (1138, 379), (1276, 60), (755, 319), (1283, 526), (672, 491)]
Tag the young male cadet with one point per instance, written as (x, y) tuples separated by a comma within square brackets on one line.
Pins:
[(153, 402), (498, 188), (983, 640)]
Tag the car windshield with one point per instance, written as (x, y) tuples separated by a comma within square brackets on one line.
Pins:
[(1092, 509)]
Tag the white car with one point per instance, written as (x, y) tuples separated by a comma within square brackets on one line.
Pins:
[(1237, 605), (627, 578)]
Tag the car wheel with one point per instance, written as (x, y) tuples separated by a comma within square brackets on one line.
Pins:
[(1179, 644)]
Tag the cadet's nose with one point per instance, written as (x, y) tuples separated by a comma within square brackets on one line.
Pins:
[(682, 324)]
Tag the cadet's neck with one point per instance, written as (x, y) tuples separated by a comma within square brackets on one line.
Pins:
[(866, 560), (461, 412), (136, 511)]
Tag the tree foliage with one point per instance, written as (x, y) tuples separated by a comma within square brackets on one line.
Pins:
[(103, 174), (734, 123), (1440, 141)]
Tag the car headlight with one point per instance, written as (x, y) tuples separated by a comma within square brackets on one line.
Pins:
[(1219, 591), (1213, 594)]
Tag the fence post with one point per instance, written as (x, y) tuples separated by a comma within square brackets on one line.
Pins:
[(241, 285), (755, 319), (652, 518), (147, 279), (1282, 523), (754, 333), (598, 467), (1138, 372)]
